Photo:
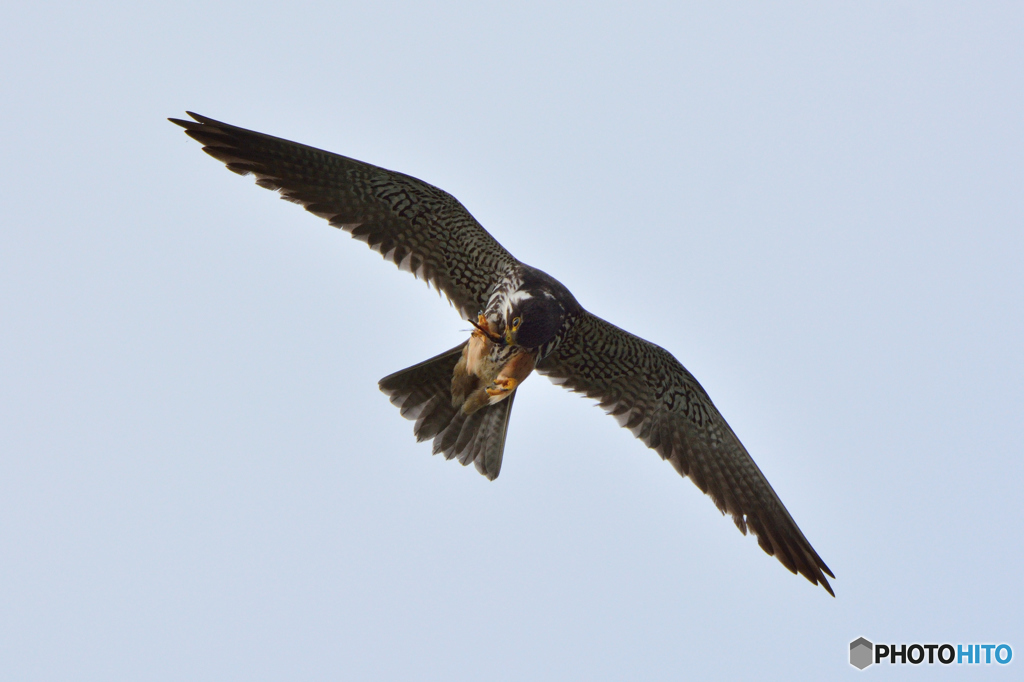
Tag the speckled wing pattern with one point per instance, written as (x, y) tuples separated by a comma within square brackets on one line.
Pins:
[(425, 230), (419, 227), (655, 397)]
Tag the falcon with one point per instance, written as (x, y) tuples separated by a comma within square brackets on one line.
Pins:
[(523, 321)]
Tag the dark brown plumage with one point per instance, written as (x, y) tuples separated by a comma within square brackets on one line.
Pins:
[(525, 316), (415, 225)]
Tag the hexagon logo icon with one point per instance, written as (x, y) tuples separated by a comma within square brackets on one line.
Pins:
[(861, 653)]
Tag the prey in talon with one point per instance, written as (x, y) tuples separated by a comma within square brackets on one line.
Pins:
[(492, 365), (524, 321)]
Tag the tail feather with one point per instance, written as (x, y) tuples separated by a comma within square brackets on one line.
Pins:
[(423, 393)]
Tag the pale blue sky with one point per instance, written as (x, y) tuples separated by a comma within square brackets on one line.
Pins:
[(819, 211)]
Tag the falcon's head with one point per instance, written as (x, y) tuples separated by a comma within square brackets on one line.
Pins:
[(532, 318)]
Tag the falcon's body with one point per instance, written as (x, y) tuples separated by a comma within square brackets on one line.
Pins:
[(525, 320), (525, 317)]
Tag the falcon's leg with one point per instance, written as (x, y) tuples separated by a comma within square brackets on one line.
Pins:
[(511, 374)]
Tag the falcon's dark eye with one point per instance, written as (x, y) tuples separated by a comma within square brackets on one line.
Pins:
[(516, 322)]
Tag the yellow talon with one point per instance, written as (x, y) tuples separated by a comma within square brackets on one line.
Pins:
[(502, 385)]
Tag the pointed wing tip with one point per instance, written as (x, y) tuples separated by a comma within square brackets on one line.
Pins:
[(824, 570), (195, 118), (815, 574), (200, 117)]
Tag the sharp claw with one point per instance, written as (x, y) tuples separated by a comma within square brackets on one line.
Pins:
[(502, 386)]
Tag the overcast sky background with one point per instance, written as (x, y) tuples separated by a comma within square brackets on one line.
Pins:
[(818, 210)]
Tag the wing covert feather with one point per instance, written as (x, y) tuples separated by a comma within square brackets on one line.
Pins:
[(649, 392), (417, 226)]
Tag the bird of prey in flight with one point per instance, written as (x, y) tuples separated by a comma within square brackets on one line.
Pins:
[(524, 320)]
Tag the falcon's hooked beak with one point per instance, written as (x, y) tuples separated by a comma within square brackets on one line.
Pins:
[(496, 338), (509, 338)]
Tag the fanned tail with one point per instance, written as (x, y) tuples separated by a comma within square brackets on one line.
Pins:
[(423, 393)]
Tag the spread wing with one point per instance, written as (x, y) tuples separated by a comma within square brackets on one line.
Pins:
[(419, 227), (656, 398)]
